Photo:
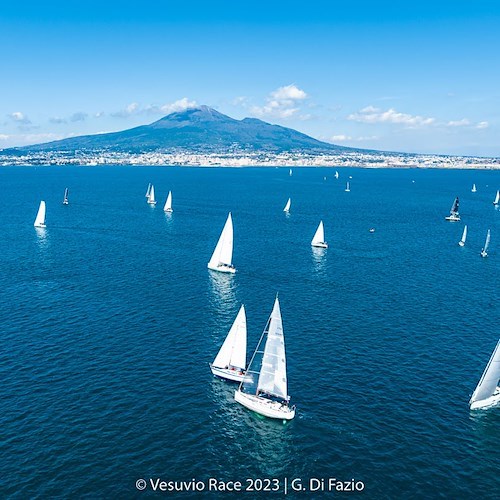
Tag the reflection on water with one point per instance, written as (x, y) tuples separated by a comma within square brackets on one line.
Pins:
[(223, 290), (266, 440), (42, 237), (319, 258)]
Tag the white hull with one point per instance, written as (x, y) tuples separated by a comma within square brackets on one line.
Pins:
[(453, 218), (42, 225), (486, 403), (266, 407), (227, 373), (461, 244), (151, 202), (484, 254), (222, 268), (320, 244), (168, 210), (65, 202)]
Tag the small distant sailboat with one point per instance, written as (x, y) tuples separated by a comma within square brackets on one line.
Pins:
[(473, 190), (496, 201), (487, 392), (151, 197), (287, 206), (264, 388), (347, 187), (454, 215), (372, 230), (290, 172), (336, 175), (168, 203), (40, 216), (464, 237), (223, 254), (230, 362), (319, 237), (148, 190), (65, 199), (484, 251)]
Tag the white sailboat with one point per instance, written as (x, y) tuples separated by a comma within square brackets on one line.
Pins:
[(65, 199), (223, 254), (484, 251), (40, 216), (336, 175), (151, 197), (473, 190), (464, 237), (290, 173), (487, 392), (454, 215), (168, 203), (230, 362), (264, 388), (347, 187), (287, 206), (148, 190), (319, 237), (496, 201)]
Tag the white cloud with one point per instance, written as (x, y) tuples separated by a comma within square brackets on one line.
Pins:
[(57, 120), (340, 138), (19, 117), (281, 103), (289, 92), (482, 125), (129, 110), (458, 123), (27, 139), (179, 105), (239, 101), (78, 117), (371, 114)]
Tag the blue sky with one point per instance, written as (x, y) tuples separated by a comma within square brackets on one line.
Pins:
[(378, 75)]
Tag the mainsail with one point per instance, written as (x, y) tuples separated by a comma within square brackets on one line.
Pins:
[(319, 235), (266, 373), (223, 253), (489, 380)]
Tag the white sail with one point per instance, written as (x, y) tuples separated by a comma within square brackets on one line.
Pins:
[(151, 197), (473, 188), (148, 190), (319, 236), (496, 201), (290, 173), (488, 385), (223, 253), (272, 377), (487, 242), (336, 175), (40, 216), (287, 206), (233, 352), (168, 203), (65, 199), (464, 237), (347, 187)]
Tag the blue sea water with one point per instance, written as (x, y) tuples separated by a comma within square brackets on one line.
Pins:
[(109, 319)]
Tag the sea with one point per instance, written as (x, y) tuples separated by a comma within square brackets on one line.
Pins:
[(110, 318)]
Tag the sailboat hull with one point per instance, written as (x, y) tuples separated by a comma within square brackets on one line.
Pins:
[(320, 244), (461, 243), (453, 218), (266, 407), (227, 373), (222, 268), (486, 403)]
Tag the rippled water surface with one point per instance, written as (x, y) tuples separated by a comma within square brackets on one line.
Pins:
[(109, 319)]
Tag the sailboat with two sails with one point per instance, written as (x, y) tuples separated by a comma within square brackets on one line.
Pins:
[(487, 392), (222, 257), (319, 237), (484, 251), (151, 195), (230, 362), (264, 388), (40, 216), (168, 203), (496, 201), (454, 215), (65, 199)]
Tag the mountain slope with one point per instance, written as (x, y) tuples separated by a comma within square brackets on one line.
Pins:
[(201, 129)]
